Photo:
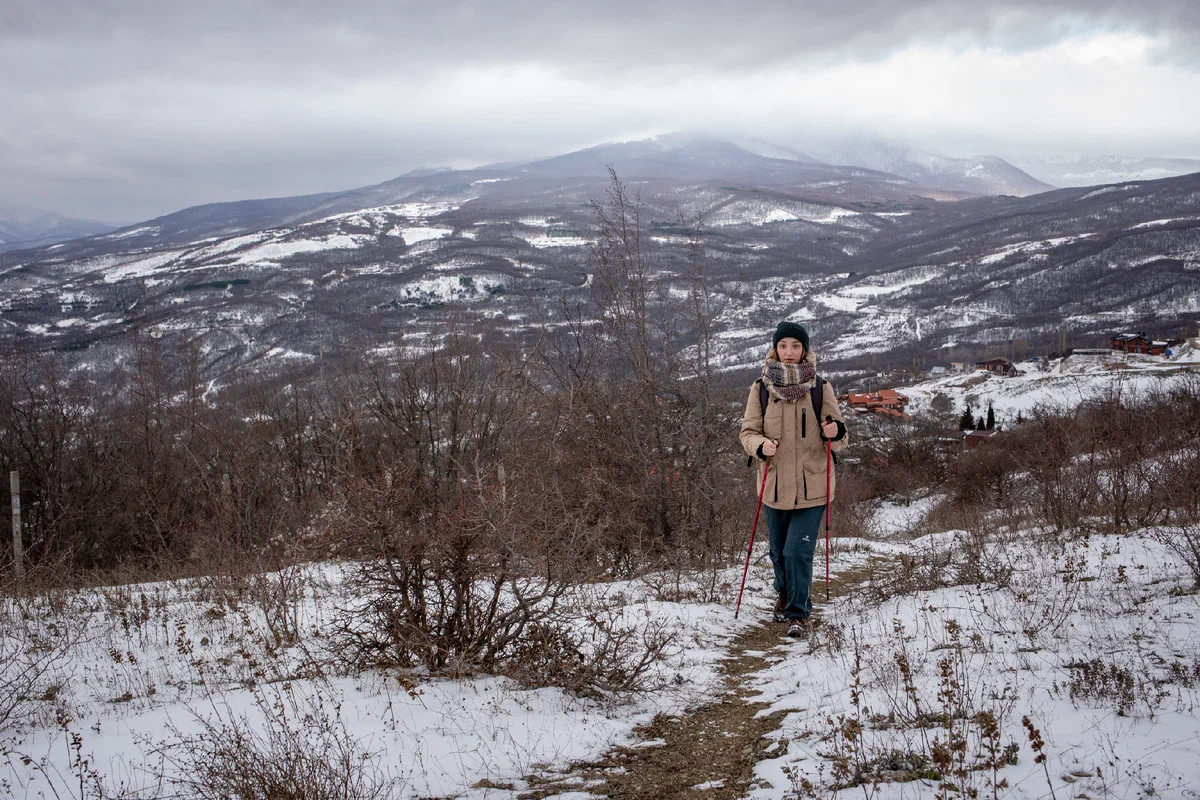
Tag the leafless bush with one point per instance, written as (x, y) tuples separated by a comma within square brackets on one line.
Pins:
[(33, 651), (929, 569), (1183, 539), (590, 653), (297, 747), (279, 595), (959, 743), (853, 507), (1131, 689), (982, 557)]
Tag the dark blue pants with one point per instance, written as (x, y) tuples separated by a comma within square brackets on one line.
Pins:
[(793, 537)]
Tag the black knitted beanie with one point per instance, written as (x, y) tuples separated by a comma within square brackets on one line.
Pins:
[(792, 329)]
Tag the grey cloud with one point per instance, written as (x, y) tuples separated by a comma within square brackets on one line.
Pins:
[(126, 108), (67, 44)]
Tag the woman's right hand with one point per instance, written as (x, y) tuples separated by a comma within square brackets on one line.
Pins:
[(769, 447)]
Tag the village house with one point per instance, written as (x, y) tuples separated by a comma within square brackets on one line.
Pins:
[(886, 401), (1142, 344), (998, 366), (975, 439)]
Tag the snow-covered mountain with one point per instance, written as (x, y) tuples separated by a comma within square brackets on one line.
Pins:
[(674, 161), (1093, 170), (876, 267), (26, 227), (980, 175)]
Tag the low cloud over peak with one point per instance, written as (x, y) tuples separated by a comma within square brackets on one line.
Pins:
[(127, 108)]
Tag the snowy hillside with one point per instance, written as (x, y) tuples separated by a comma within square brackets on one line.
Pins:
[(1084, 654), (987, 175), (871, 274), (1060, 382)]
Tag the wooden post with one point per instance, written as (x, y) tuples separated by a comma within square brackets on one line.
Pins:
[(14, 480)]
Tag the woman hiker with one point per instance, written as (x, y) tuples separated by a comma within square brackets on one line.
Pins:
[(780, 428)]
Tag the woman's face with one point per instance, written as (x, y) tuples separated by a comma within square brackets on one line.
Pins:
[(789, 350)]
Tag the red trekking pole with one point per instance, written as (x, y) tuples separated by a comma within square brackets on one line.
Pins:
[(828, 473), (750, 547)]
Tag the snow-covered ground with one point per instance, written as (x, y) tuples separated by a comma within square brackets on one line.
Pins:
[(1061, 382), (150, 664), (1094, 641)]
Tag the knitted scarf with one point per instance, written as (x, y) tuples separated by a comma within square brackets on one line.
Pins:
[(789, 382)]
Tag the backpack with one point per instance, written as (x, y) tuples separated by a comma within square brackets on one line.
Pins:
[(816, 394)]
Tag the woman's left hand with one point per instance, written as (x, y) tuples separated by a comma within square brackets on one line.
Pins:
[(830, 429)]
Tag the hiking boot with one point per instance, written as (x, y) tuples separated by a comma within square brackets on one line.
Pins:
[(780, 604), (798, 628)]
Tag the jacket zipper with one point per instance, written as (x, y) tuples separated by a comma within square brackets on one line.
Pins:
[(803, 423)]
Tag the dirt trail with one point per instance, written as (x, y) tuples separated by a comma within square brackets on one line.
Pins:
[(710, 751)]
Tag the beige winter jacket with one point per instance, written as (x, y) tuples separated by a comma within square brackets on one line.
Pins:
[(797, 475)]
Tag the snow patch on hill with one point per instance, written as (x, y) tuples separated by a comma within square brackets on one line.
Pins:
[(1069, 382), (894, 282), (753, 212), (141, 267), (454, 288), (1031, 247), (557, 241), (274, 251), (144, 230), (419, 234), (1156, 223)]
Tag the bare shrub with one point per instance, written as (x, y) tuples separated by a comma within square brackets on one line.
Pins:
[(590, 653), (279, 593), (982, 557), (1183, 539), (297, 747), (1059, 488), (959, 743), (853, 507), (34, 647)]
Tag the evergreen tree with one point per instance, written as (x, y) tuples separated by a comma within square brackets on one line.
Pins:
[(967, 422), (979, 424), (991, 418)]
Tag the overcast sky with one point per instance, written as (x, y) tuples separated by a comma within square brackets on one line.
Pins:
[(121, 110)]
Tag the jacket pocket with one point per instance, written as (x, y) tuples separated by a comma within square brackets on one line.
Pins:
[(814, 482)]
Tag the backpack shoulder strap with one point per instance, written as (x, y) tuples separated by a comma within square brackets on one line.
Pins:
[(763, 396), (818, 397)]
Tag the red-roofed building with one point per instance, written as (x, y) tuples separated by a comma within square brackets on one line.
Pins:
[(885, 401)]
